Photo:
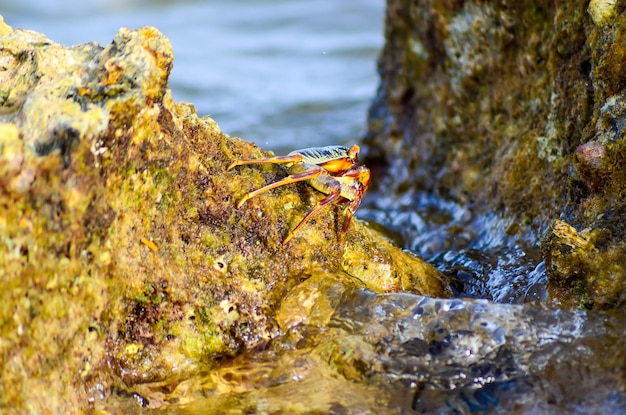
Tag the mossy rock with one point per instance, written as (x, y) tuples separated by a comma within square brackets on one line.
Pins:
[(124, 258), (513, 109)]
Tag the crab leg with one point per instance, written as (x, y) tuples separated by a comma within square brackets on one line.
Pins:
[(289, 159), (351, 211), (309, 171), (330, 199)]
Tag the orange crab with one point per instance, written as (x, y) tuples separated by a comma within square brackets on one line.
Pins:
[(331, 170)]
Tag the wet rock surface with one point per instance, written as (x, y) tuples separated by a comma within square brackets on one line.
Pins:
[(124, 259)]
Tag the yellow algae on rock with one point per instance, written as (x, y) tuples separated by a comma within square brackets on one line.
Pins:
[(601, 10), (383, 267), (579, 272), (5, 29), (11, 153)]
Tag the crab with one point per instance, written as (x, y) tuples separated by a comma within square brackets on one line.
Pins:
[(331, 170)]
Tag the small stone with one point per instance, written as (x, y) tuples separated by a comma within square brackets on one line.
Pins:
[(601, 10)]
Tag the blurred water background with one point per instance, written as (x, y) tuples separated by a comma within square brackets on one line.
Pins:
[(281, 73)]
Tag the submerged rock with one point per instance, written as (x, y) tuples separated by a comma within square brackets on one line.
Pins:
[(123, 257), (515, 108)]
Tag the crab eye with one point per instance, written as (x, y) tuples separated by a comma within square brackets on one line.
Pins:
[(353, 152)]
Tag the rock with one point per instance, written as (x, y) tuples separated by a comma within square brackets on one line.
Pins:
[(601, 10), (509, 108), (5, 29), (581, 270), (124, 259)]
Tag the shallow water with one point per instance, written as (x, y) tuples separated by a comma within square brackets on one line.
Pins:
[(478, 251), (407, 354), (290, 74)]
